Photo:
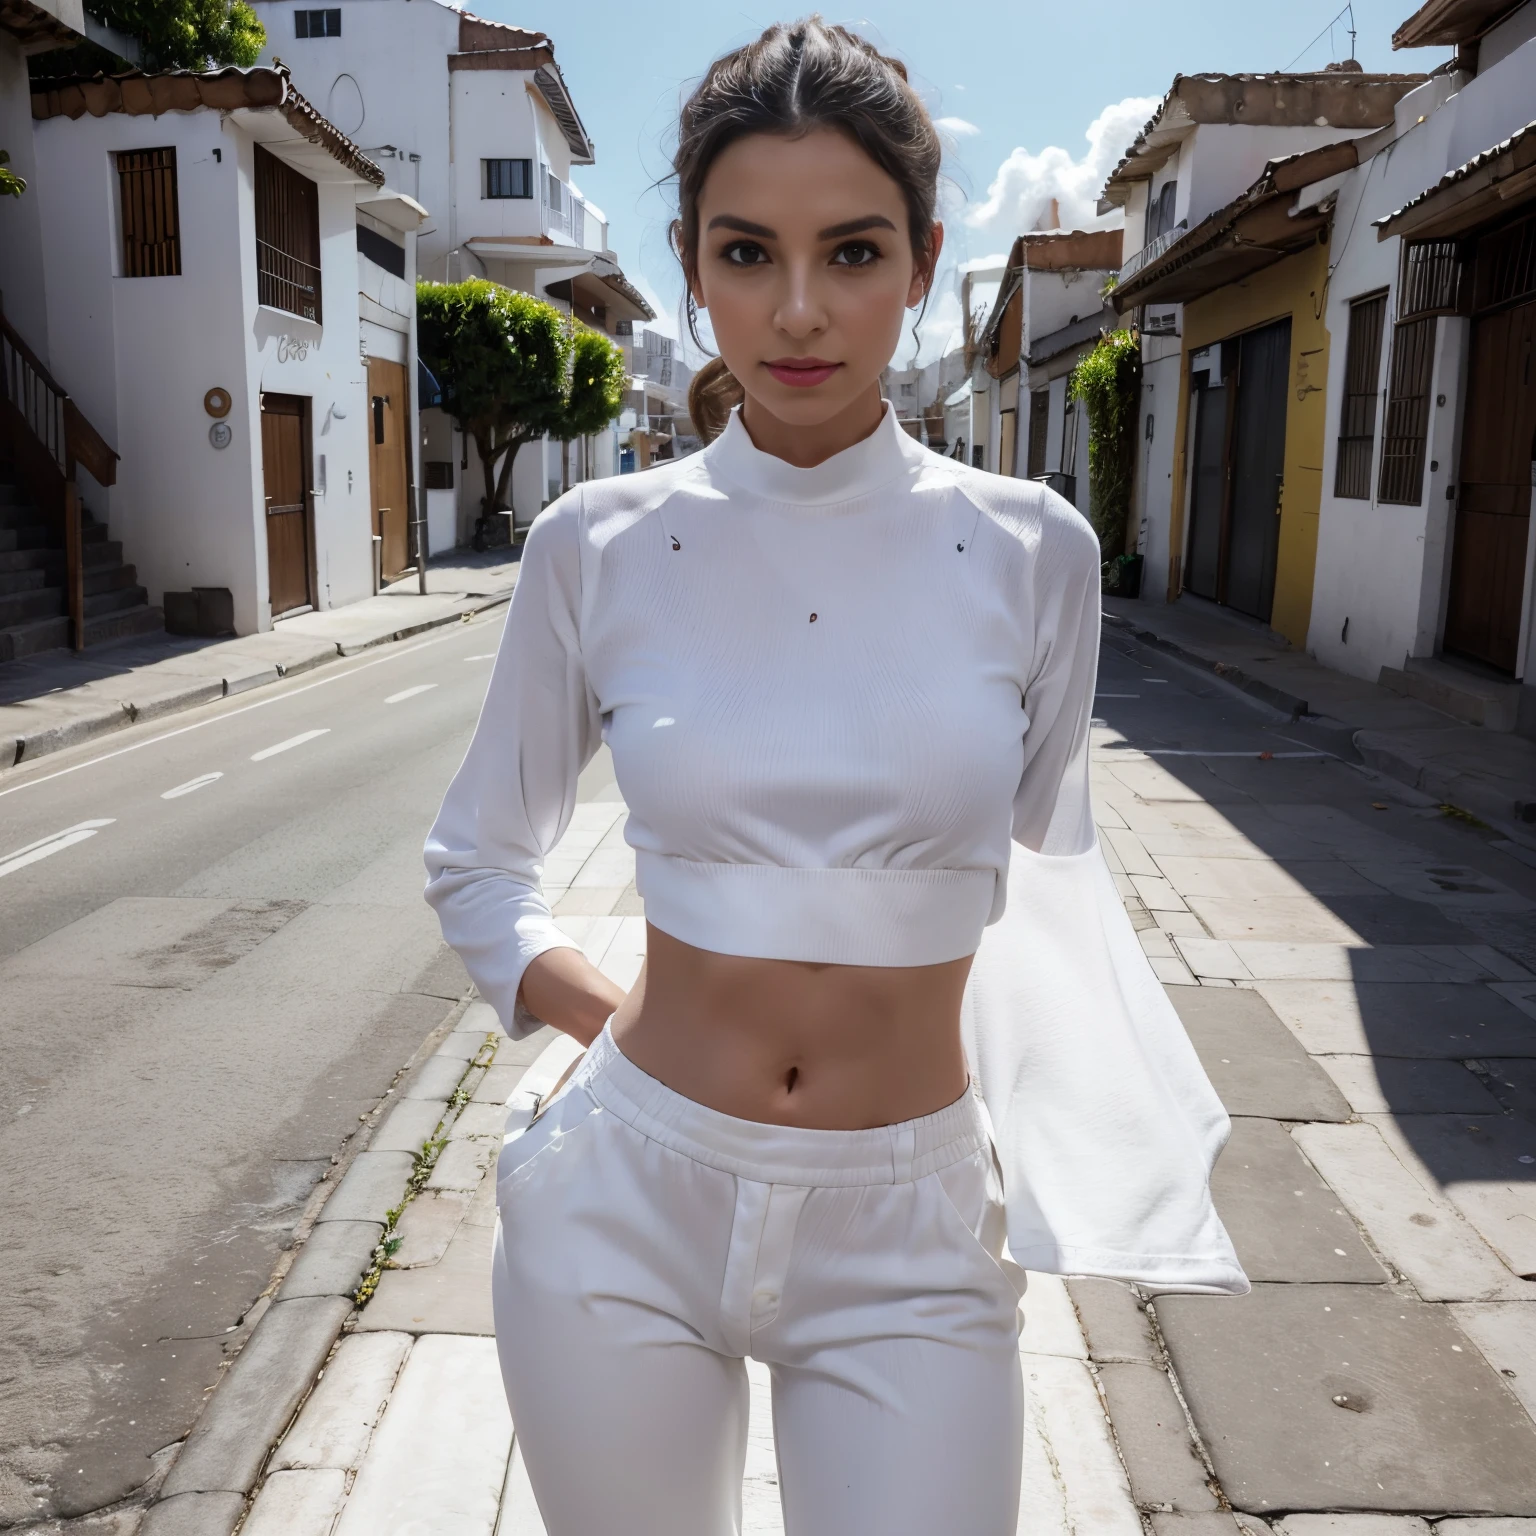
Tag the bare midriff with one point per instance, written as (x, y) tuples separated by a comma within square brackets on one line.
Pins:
[(826, 1047)]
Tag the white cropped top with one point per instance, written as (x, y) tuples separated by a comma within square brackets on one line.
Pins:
[(849, 711), (834, 697)]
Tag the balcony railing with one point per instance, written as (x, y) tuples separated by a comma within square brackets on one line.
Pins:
[(565, 213), (1152, 250), (286, 282)]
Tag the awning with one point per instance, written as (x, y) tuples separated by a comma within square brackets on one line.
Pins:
[(1489, 184), (1252, 232), (1441, 22)]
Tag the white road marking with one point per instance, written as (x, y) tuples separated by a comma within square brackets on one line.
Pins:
[(1176, 752), (190, 785), (1117, 695), (293, 741), (410, 693), (57, 843), (197, 725), (483, 656)]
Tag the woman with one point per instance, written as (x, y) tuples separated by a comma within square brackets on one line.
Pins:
[(840, 677)]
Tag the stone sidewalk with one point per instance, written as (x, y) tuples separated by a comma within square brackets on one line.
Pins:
[(1490, 773), (57, 699)]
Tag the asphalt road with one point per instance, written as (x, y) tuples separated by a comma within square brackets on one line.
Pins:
[(214, 959)]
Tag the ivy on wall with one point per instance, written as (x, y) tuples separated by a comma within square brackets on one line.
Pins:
[(1108, 383)]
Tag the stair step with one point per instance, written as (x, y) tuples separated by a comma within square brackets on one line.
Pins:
[(108, 577), (30, 559), (22, 607), (105, 552), (22, 579), (1468, 693), (124, 623), (27, 639), (114, 600)]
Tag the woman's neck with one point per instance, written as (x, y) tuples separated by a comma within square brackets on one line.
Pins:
[(807, 446)]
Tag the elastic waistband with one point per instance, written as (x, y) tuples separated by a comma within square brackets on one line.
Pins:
[(780, 1154)]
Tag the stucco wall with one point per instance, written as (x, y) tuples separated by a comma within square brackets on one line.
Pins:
[(1152, 505), (21, 242), (1289, 289)]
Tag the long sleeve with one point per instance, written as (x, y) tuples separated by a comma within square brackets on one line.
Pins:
[(1052, 811), (513, 795)]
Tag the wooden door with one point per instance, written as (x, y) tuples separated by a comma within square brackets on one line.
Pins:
[(285, 474), (387, 472), (1257, 473), (1007, 438), (1493, 510), (1207, 492)]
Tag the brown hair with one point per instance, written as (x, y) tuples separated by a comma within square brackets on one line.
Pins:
[(799, 76)]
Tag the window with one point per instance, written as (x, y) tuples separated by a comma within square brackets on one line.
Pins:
[(439, 474), (1039, 421), (1357, 418), (1160, 211), (508, 178), (1431, 279), (146, 182), (317, 23), (1407, 423), (381, 251), (287, 238)]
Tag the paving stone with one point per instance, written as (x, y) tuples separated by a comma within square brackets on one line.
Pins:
[(1513, 1083), (297, 1504), (1285, 1223), (1485, 1525), (1114, 1320), (461, 1045), (1050, 1324), (462, 1164), (1394, 1019), (500, 1081), (1352, 1525), (338, 1420), (437, 1079), (1362, 963), (481, 1016), (1399, 920), (1223, 1524), (479, 1120), (1505, 1332), (519, 1509), (371, 1187), (1254, 1062), (762, 1511), (1131, 852), (1164, 1468), (1485, 1164), (1428, 1424), (257, 1396), (1172, 972), (1407, 1085), (1211, 957), (410, 1123), (439, 1456), (1412, 1225), (1521, 993), (1240, 879), (1290, 919), (451, 1296), (333, 1259), (427, 1227), (1072, 1479), (194, 1514), (1157, 894)]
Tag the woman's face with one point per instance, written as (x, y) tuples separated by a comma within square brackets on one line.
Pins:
[(805, 266)]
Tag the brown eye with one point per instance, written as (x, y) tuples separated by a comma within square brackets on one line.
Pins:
[(857, 253), (745, 253)]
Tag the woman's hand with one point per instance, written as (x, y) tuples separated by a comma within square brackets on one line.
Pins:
[(563, 988)]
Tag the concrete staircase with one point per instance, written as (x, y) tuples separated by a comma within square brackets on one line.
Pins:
[(34, 608), (1463, 690)]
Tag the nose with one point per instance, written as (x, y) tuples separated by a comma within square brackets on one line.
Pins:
[(799, 312)]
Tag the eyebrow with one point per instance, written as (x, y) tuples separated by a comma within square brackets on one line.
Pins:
[(832, 232)]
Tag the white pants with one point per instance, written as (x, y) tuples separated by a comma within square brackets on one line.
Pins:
[(647, 1244)]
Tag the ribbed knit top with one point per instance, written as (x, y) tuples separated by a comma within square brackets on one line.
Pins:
[(834, 697)]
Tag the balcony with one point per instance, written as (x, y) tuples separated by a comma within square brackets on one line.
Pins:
[(566, 215), (1153, 249)]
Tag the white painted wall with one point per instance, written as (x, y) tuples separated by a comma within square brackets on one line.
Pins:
[(141, 353), (21, 242), (1385, 568)]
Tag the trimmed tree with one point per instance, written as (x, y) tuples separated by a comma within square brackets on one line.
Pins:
[(503, 360), (596, 394), (1108, 382)]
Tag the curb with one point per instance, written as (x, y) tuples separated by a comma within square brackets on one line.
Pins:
[(220, 1463), (1456, 789), (1276, 698), (17, 750)]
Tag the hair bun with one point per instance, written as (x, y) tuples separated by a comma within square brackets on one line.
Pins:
[(712, 395)]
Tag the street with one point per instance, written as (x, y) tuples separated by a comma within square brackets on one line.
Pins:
[(202, 997), (209, 994)]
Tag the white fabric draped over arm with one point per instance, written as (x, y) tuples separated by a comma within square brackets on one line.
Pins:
[(513, 795)]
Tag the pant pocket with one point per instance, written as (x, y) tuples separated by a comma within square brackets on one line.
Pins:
[(972, 1193)]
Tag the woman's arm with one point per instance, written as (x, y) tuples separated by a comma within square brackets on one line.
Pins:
[(562, 987)]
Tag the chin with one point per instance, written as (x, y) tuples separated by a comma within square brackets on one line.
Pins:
[(812, 406)]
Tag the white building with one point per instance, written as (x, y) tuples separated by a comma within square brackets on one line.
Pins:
[(230, 293), (474, 120), (1209, 140), (1426, 567)]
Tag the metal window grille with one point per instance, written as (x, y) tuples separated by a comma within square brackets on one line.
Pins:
[(325, 23), (1357, 418), (287, 238), (1504, 271), (1430, 283), (508, 178), (1406, 428), (439, 474), (1039, 419), (146, 180)]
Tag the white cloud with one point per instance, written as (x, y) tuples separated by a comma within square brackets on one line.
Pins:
[(1026, 182), (956, 127)]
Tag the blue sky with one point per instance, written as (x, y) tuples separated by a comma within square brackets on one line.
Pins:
[(1022, 82)]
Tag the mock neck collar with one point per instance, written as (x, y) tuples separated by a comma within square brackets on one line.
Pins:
[(886, 453)]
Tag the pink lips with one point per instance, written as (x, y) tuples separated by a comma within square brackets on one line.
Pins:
[(801, 372)]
